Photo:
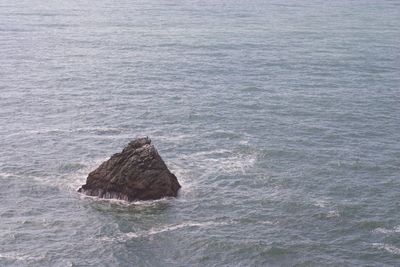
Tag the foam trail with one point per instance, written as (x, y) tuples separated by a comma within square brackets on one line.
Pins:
[(121, 202), (220, 161), (387, 231), (389, 248), (159, 230), (20, 257)]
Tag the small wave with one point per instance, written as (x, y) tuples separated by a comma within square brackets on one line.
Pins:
[(124, 203), (268, 222), (72, 175), (224, 161), (184, 177), (243, 142), (76, 178), (106, 131), (6, 174), (389, 248), (69, 167), (20, 257), (168, 228), (333, 214), (252, 89), (158, 230), (320, 203), (174, 138), (45, 131), (96, 130), (387, 231), (223, 134), (213, 152)]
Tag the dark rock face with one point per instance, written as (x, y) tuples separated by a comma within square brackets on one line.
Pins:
[(137, 173)]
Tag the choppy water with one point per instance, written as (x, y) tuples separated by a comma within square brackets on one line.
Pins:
[(280, 119)]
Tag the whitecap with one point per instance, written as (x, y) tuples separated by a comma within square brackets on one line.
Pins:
[(173, 227), (19, 257), (158, 230), (78, 178), (244, 142), (125, 203), (222, 161), (211, 152), (46, 131), (99, 130), (177, 138), (389, 248), (268, 222), (102, 131), (6, 174), (387, 231), (333, 214), (184, 177), (71, 180), (320, 203)]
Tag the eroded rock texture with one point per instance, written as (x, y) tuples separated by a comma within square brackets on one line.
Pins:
[(137, 173)]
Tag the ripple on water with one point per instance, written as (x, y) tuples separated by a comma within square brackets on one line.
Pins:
[(387, 247), (282, 129), (383, 230), (161, 229)]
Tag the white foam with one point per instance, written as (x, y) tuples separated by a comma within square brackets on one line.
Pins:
[(6, 174), (78, 178), (189, 169), (43, 131), (220, 161), (163, 229), (333, 214), (121, 202), (211, 152), (69, 182), (244, 142), (185, 178), (320, 203), (389, 248), (387, 231), (19, 257), (104, 130), (175, 138)]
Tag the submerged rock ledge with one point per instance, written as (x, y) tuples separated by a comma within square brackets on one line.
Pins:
[(137, 173)]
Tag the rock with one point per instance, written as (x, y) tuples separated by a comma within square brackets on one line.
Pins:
[(137, 173)]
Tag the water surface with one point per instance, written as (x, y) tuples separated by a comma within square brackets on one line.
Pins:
[(281, 121)]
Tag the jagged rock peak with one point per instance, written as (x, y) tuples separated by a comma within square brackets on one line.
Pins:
[(136, 173)]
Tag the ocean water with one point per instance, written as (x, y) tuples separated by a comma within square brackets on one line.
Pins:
[(281, 120)]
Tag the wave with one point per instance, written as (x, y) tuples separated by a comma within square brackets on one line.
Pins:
[(7, 174), (19, 257), (389, 248), (159, 230), (185, 177), (69, 167), (320, 203), (94, 130), (192, 169), (125, 203), (222, 161), (333, 214), (387, 231)]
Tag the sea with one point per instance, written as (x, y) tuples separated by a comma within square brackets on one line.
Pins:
[(281, 120)]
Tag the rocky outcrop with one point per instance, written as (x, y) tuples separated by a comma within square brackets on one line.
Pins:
[(137, 173)]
